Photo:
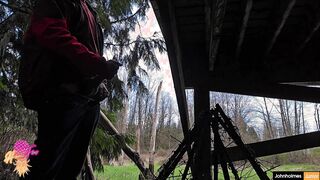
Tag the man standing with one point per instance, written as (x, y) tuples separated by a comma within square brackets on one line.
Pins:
[(71, 38)]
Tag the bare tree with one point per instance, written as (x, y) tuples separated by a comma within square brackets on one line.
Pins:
[(303, 120), (267, 120), (285, 117), (133, 108), (139, 125), (298, 117), (122, 125), (153, 131), (170, 113), (317, 115), (190, 103)]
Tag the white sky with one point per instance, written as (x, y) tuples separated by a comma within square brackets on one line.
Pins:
[(147, 29)]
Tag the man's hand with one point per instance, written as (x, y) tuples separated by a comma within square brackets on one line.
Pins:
[(111, 69), (102, 91)]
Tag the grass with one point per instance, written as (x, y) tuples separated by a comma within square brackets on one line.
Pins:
[(131, 172), (127, 172)]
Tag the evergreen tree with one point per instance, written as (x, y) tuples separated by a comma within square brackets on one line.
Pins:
[(118, 18)]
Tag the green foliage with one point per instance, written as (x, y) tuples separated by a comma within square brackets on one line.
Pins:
[(107, 146), (120, 8), (118, 19), (3, 87)]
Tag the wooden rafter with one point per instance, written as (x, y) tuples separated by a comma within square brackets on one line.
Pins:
[(277, 146), (168, 26), (264, 89), (218, 12), (179, 80), (243, 27), (309, 36), (208, 11), (280, 25)]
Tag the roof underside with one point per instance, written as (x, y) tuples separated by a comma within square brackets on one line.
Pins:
[(254, 47)]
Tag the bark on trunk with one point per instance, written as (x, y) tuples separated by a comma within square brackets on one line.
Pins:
[(317, 116), (133, 113), (154, 131), (268, 121), (139, 126), (303, 122), (123, 126), (283, 118)]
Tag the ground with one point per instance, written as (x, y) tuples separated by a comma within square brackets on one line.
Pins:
[(130, 172)]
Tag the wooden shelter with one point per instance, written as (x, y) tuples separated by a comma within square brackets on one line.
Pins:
[(266, 48)]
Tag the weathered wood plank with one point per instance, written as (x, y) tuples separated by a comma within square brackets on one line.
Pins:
[(309, 36), (280, 25), (277, 146), (243, 27)]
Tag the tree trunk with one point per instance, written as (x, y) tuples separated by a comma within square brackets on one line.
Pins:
[(133, 113), (303, 120), (296, 119), (123, 126), (169, 124), (283, 118), (139, 126), (289, 128), (268, 120), (154, 131), (317, 116)]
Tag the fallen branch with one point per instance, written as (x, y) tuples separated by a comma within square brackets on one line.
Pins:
[(133, 155)]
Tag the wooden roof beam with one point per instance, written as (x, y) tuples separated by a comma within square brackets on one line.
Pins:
[(216, 22), (264, 89), (243, 27), (277, 146), (208, 12), (166, 17), (280, 25), (178, 77), (309, 36)]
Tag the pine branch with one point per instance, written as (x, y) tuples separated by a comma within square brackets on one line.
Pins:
[(128, 17), (120, 44), (14, 8), (7, 19), (150, 38)]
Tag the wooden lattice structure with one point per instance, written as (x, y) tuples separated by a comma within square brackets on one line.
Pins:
[(263, 48)]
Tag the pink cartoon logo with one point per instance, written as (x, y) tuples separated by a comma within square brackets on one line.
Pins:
[(20, 156)]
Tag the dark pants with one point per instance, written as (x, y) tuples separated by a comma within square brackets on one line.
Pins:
[(65, 127)]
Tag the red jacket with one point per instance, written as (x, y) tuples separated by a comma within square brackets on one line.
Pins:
[(69, 30)]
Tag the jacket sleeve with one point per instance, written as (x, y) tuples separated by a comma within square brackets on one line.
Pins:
[(50, 30)]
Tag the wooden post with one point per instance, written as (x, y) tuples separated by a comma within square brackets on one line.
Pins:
[(202, 166)]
